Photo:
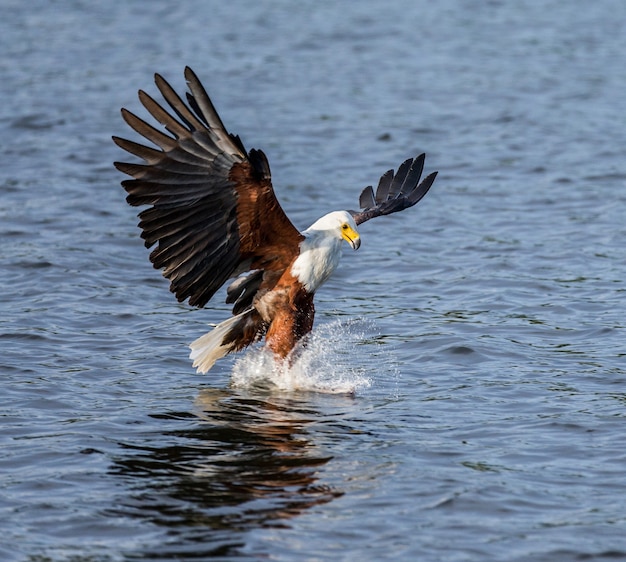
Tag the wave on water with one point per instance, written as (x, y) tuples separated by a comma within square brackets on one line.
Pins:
[(324, 363)]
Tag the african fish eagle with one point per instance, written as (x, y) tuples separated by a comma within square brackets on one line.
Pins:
[(214, 216)]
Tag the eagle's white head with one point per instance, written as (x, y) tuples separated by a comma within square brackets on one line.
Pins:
[(339, 225), (321, 248)]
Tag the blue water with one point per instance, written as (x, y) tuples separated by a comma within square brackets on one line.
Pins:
[(465, 396)]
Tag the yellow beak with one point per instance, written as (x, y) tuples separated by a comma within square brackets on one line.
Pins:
[(352, 237)]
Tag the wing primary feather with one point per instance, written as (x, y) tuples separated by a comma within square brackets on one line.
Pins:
[(383, 186), (399, 178), (366, 199), (422, 189), (163, 116), (150, 155), (414, 174), (148, 131), (177, 104), (201, 103)]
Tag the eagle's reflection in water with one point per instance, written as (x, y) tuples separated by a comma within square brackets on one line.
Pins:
[(239, 462)]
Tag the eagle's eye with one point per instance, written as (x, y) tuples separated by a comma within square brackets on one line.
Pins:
[(344, 226)]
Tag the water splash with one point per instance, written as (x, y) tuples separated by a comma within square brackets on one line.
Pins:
[(325, 364)]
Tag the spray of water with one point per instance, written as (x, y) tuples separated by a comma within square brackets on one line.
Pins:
[(325, 363)]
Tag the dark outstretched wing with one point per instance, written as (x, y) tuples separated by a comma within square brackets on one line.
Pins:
[(213, 212), (395, 192)]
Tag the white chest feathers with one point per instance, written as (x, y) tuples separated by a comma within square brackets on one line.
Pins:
[(319, 257)]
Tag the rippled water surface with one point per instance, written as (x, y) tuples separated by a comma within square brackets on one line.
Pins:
[(482, 333)]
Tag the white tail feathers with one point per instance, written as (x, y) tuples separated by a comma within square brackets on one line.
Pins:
[(207, 349)]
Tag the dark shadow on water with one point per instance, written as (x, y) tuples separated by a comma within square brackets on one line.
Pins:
[(239, 462)]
